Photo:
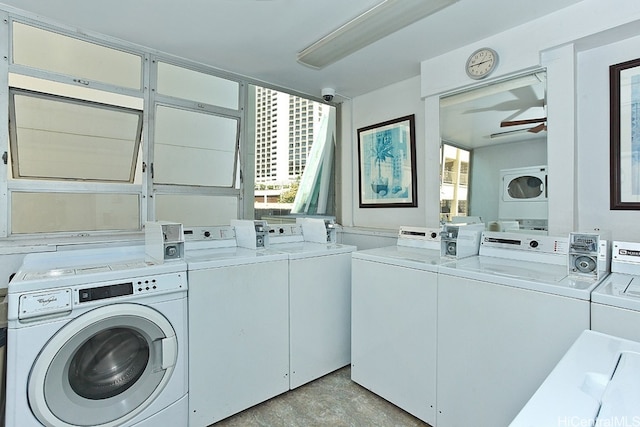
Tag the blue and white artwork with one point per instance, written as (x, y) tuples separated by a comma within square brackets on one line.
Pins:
[(387, 164)]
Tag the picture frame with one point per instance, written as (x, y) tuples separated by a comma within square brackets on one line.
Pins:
[(624, 93), (387, 164)]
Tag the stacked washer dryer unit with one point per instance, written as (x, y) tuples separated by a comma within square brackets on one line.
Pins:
[(393, 320), (615, 304), (97, 337), (505, 318), (319, 297), (238, 320)]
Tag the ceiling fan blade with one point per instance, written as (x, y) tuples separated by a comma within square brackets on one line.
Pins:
[(522, 122), (538, 128)]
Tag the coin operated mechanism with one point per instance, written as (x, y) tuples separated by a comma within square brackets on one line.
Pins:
[(460, 240), (251, 234), (164, 241), (318, 230), (589, 255)]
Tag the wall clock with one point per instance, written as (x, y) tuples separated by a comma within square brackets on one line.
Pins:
[(481, 63)]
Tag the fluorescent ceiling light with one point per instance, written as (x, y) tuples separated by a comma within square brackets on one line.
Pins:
[(508, 133), (381, 20), (492, 89)]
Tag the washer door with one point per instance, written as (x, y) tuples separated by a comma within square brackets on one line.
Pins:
[(103, 368)]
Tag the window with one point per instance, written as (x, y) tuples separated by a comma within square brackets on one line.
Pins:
[(104, 136), (61, 138), (454, 179), (302, 168), (75, 135)]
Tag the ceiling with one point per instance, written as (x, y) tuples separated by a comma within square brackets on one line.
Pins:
[(469, 119), (260, 38)]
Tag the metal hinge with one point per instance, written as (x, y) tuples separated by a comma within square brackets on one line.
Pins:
[(4, 157)]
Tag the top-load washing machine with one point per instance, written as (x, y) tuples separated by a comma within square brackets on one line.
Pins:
[(319, 297), (393, 320), (594, 384), (505, 318), (615, 304), (238, 321), (97, 337)]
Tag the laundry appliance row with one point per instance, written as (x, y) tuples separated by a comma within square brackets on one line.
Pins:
[(475, 330), (269, 310)]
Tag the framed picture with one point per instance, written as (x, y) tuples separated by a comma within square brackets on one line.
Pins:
[(387, 164), (624, 81)]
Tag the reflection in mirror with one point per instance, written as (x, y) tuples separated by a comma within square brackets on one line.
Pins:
[(454, 181), (502, 127)]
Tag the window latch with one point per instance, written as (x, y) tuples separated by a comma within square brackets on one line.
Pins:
[(4, 157)]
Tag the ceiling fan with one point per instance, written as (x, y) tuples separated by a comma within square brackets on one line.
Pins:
[(542, 124)]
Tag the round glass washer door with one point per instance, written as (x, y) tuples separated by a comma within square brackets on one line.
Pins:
[(103, 368)]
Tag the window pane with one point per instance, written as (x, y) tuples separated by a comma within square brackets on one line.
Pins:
[(205, 142), (454, 180), (46, 50), (196, 210), (73, 212), (187, 84), (61, 138)]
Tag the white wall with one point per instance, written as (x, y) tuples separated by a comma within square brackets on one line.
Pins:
[(593, 141), (486, 163), (552, 42), (391, 102)]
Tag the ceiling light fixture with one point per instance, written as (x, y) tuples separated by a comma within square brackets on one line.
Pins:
[(381, 20), (508, 133)]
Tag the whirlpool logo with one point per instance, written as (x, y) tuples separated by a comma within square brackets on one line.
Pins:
[(47, 301)]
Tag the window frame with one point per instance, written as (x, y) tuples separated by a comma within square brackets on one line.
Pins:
[(243, 177)]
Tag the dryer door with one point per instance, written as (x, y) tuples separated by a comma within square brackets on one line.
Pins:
[(103, 368)]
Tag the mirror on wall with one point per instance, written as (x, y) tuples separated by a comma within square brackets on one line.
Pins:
[(498, 134)]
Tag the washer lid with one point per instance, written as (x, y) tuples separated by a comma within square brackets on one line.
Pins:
[(535, 276), (404, 256), (619, 290)]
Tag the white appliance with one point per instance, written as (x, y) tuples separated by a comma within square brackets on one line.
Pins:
[(524, 195), (589, 255), (505, 318), (319, 298), (594, 384), (615, 304), (393, 320), (238, 323), (97, 337), (460, 240)]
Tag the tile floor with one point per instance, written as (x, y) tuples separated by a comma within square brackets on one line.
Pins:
[(332, 401)]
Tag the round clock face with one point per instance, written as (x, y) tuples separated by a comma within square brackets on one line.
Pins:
[(481, 63)]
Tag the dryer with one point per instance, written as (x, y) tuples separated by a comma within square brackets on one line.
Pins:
[(97, 337), (393, 320), (238, 323), (319, 297), (524, 196), (615, 304), (505, 318)]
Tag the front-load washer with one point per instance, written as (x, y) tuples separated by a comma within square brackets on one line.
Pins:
[(238, 324), (615, 304), (594, 384), (97, 337), (319, 298), (505, 317), (393, 320)]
